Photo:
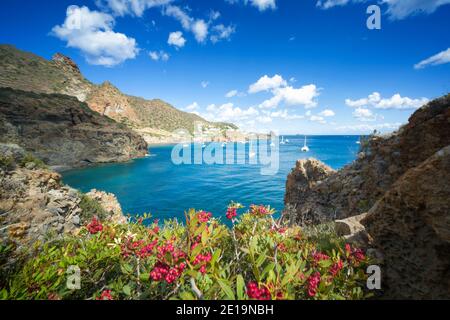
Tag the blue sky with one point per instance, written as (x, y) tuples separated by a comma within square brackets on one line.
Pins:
[(290, 66)]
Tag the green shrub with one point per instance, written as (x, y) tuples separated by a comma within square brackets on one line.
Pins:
[(6, 163), (91, 208), (29, 158), (202, 259)]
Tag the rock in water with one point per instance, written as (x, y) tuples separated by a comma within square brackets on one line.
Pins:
[(410, 225)]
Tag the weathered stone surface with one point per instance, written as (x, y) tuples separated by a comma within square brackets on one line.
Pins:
[(109, 203), (382, 160), (349, 226), (64, 132), (410, 225), (34, 205)]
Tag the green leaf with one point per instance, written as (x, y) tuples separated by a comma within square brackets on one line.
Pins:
[(226, 289), (127, 290), (186, 296), (240, 287)]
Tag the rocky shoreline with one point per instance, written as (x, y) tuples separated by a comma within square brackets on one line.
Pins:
[(394, 198)]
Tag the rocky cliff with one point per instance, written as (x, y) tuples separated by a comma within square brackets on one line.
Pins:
[(29, 72), (402, 182), (35, 205), (63, 131), (315, 193)]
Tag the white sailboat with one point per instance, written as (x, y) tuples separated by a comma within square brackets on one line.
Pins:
[(282, 140), (305, 147), (252, 152)]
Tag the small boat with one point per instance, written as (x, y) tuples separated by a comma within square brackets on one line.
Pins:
[(287, 141), (305, 147), (251, 153), (224, 145), (282, 141), (204, 145)]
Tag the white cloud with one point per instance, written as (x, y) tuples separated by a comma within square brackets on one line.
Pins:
[(365, 115), (396, 9), (318, 119), (192, 107), (200, 30), (176, 39), (231, 94), (92, 33), (395, 102), (366, 128), (400, 9), (440, 58), (159, 55), (267, 83), (222, 32), (283, 114), (291, 96), (327, 113), (204, 84), (229, 113), (262, 5), (130, 7), (199, 27), (264, 119)]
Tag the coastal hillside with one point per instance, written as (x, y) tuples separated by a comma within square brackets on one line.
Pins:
[(398, 195), (151, 118), (64, 132)]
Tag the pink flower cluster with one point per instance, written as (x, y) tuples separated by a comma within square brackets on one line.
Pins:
[(106, 295), (202, 260), (204, 216), (313, 284), (319, 256), (258, 210), (95, 226), (231, 213), (355, 255), (171, 264), (336, 268), (162, 271), (256, 292)]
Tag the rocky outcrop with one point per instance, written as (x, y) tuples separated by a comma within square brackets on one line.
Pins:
[(109, 203), (307, 176), (381, 161), (64, 132), (410, 225), (35, 205), (402, 180)]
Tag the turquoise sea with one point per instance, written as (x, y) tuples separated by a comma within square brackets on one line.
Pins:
[(156, 185)]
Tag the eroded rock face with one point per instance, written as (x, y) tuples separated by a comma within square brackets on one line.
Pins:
[(410, 225), (64, 132), (307, 176), (109, 203), (382, 160), (35, 205)]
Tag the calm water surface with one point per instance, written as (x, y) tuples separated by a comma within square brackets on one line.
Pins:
[(155, 185)]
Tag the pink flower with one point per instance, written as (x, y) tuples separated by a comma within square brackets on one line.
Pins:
[(204, 217), (313, 284), (95, 226), (231, 213), (106, 295), (256, 292)]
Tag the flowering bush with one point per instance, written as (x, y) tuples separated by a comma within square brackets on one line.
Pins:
[(257, 258)]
